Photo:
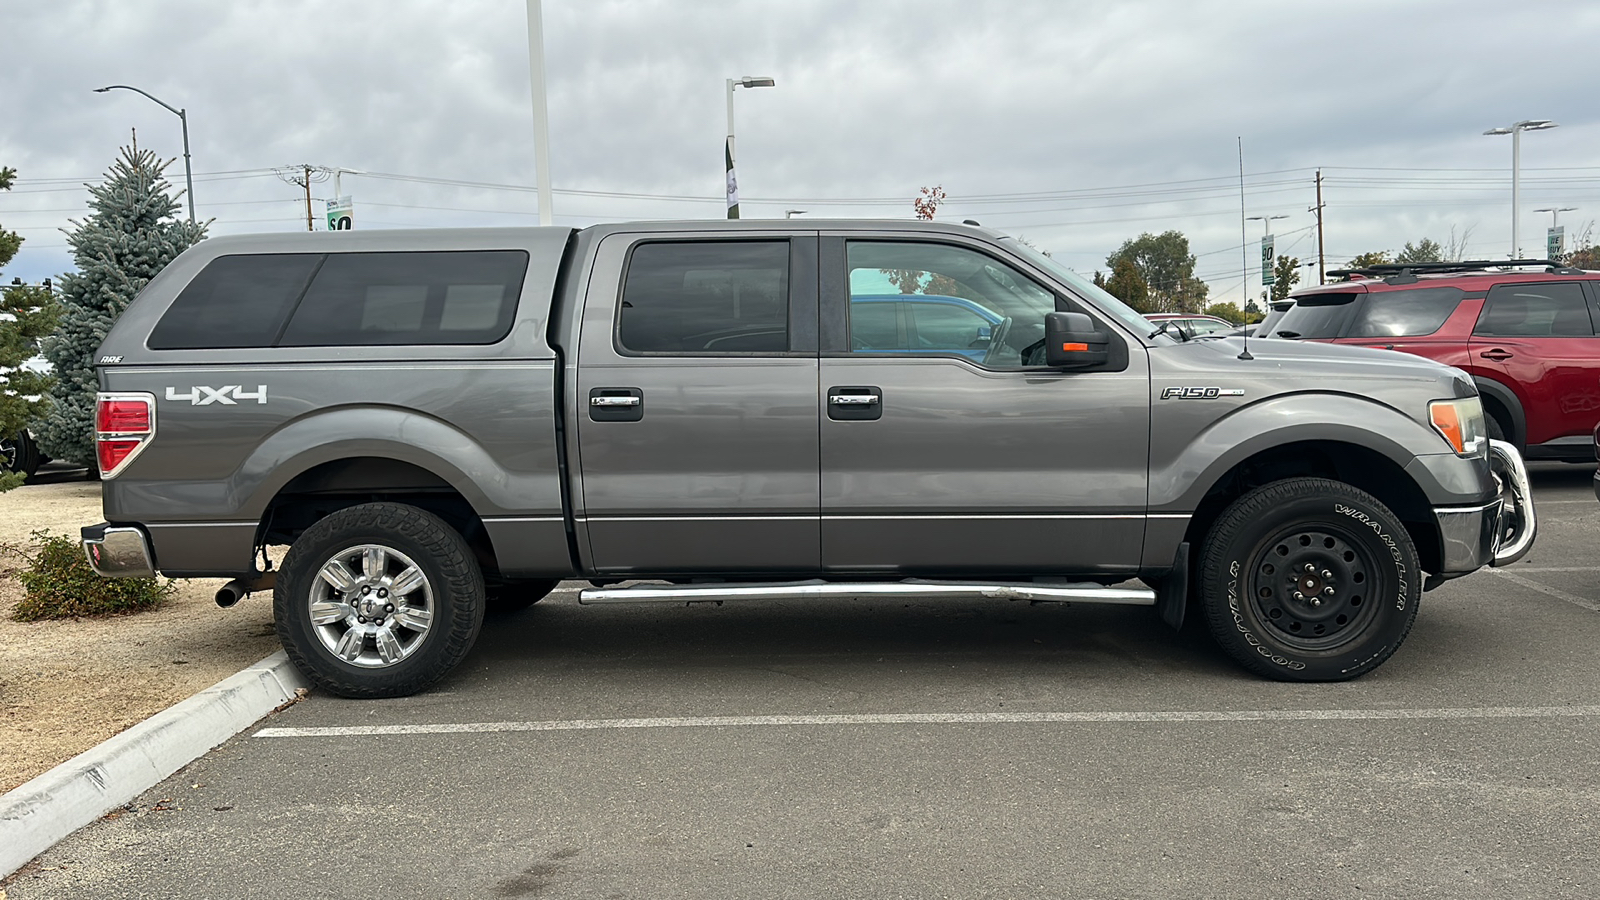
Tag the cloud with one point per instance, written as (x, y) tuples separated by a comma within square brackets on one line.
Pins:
[(1069, 103)]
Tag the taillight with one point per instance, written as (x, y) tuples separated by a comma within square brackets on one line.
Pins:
[(124, 425)]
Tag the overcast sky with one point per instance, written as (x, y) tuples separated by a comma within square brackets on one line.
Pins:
[(1075, 124)]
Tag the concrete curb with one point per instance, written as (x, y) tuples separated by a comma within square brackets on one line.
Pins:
[(38, 814)]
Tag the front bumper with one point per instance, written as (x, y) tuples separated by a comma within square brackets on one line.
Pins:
[(116, 551), (1497, 533)]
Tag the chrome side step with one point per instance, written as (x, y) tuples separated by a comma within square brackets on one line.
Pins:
[(1085, 592)]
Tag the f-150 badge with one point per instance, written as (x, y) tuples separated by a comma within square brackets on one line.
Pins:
[(1199, 393), (227, 395)]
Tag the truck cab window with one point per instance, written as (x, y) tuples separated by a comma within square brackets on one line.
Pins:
[(706, 298), (951, 301)]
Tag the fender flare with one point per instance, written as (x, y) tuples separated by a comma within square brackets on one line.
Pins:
[(388, 432), (1182, 482)]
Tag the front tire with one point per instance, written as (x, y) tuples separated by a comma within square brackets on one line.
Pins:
[(378, 600), (1309, 579)]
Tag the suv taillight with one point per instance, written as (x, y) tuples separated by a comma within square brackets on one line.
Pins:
[(124, 425)]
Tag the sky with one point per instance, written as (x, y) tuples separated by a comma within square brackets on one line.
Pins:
[(1077, 125)]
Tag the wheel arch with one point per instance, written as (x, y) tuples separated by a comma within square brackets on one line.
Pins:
[(1354, 464), (1499, 397)]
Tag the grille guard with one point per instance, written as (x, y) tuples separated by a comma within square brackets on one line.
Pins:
[(1515, 530)]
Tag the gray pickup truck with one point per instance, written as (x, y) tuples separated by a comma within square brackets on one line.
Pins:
[(435, 422)]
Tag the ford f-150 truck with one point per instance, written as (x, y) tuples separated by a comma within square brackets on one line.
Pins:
[(436, 420)]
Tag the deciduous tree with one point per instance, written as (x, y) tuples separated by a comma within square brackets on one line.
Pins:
[(1285, 274), (1166, 266)]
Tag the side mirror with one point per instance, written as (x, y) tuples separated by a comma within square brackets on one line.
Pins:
[(1072, 342)]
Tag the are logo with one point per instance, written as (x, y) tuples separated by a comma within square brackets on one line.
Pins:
[(1199, 393), (227, 395)]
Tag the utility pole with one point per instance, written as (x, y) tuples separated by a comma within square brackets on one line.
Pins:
[(303, 175), (1322, 265), (307, 182)]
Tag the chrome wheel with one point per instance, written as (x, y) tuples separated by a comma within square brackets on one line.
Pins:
[(371, 605)]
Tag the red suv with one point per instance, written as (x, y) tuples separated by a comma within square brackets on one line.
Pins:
[(1526, 335)]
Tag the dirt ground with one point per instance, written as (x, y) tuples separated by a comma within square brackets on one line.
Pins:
[(67, 685)]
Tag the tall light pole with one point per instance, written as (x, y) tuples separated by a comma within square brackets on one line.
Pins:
[(748, 81), (1555, 223), (1516, 130), (1266, 264), (541, 111), (183, 116)]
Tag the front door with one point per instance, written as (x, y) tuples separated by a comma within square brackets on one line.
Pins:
[(1541, 338), (944, 449), (697, 407)]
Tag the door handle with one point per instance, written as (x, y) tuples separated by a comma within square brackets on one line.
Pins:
[(853, 399), (618, 404), (1496, 354)]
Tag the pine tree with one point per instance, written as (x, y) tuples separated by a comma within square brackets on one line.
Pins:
[(27, 314), (130, 236)]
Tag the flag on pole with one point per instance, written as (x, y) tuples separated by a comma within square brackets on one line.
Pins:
[(733, 182)]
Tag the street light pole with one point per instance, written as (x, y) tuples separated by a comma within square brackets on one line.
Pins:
[(1516, 130), (183, 116), (1266, 232), (748, 81)]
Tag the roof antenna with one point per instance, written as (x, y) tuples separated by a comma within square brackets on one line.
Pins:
[(1245, 353)]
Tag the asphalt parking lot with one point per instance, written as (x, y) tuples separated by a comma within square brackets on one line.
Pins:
[(922, 749)]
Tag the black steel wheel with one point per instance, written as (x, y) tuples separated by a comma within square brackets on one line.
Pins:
[(1309, 580)]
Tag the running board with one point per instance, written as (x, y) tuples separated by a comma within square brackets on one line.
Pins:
[(1085, 592)]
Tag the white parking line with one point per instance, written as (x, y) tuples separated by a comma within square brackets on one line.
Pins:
[(1249, 715), (1524, 570), (1547, 590)]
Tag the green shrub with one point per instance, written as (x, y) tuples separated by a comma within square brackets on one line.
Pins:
[(58, 584)]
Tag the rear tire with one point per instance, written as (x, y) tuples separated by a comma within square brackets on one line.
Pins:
[(1309, 579), (378, 600)]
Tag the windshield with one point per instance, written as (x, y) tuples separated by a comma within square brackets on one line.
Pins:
[(1315, 317), (1095, 294)]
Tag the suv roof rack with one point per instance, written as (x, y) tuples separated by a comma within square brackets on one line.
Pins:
[(1405, 273)]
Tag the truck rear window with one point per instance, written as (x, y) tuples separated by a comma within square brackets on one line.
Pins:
[(236, 301), (346, 299), (706, 298)]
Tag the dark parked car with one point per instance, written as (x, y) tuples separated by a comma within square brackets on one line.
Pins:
[(1526, 332)]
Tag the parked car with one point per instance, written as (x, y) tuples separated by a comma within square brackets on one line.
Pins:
[(1193, 324), (1525, 332), (685, 411), (19, 453), (918, 323)]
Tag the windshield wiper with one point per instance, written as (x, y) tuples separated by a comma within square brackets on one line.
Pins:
[(1291, 335), (1165, 325)]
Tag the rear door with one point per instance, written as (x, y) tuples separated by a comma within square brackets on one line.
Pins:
[(949, 454), (697, 395), (1541, 338)]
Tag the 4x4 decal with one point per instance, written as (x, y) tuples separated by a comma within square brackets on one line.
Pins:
[(227, 395)]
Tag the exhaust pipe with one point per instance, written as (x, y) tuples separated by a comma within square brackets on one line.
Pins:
[(237, 589), (231, 593)]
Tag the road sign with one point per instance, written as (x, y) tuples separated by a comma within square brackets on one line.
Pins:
[(1553, 240), (341, 213), (1267, 276)]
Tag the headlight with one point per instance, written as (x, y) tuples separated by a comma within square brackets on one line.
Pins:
[(1460, 423)]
